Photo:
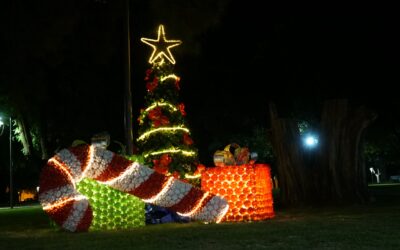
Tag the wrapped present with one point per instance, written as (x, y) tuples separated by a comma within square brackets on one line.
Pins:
[(232, 155), (247, 188)]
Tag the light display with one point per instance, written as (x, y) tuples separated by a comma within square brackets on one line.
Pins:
[(112, 209), (161, 46), (247, 188), (60, 180), (164, 137), (162, 129), (171, 150)]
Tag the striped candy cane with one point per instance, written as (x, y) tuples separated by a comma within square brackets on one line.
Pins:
[(72, 211)]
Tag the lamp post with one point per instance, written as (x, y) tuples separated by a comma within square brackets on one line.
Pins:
[(11, 168)]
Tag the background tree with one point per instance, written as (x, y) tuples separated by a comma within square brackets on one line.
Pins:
[(336, 170)]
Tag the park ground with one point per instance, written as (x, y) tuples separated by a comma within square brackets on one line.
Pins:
[(369, 226)]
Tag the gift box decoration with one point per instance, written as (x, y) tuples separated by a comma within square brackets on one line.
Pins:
[(247, 188)]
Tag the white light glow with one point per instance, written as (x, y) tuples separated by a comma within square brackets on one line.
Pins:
[(63, 202), (310, 141), (90, 162)]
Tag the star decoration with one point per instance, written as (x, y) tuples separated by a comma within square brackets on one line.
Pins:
[(161, 46)]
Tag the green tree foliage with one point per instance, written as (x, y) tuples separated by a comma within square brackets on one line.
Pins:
[(164, 138)]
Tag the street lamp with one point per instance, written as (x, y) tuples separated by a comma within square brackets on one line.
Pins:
[(11, 163), (310, 141)]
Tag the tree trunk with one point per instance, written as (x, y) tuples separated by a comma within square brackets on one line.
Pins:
[(343, 176), (285, 141), (336, 172)]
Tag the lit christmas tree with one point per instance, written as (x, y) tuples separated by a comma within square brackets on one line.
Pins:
[(164, 139)]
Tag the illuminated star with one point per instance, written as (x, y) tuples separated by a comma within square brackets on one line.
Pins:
[(161, 46)]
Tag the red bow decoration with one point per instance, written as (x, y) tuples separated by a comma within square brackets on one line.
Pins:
[(176, 175), (161, 165), (187, 140), (181, 108), (152, 85), (155, 114), (163, 120), (178, 82), (148, 72), (158, 119), (200, 169)]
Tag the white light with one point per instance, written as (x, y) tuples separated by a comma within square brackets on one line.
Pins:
[(311, 141), (1, 122)]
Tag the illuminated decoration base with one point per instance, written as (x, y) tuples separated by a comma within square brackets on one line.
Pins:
[(247, 188), (112, 209), (71, 210)]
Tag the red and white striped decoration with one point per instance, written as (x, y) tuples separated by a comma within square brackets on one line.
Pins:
[(72, 210)]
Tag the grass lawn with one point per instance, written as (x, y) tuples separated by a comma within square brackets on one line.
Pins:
[(374, 226)]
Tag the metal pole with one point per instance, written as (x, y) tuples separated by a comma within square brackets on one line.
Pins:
[(11, 163), (128, 93)]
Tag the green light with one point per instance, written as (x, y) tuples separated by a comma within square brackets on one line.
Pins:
[(112, 209)]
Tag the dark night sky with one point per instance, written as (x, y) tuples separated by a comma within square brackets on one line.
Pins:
[(236, 57)]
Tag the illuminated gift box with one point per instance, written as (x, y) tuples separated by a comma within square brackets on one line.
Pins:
[(247, 188), (112, 209)]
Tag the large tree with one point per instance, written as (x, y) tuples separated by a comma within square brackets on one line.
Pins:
[(335, 172)]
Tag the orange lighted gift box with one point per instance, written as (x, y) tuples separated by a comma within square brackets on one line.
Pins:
[(247, 188)]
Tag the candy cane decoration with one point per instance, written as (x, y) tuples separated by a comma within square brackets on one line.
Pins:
[(72, 211)]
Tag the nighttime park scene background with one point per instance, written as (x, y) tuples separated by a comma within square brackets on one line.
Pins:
[(203, 124)]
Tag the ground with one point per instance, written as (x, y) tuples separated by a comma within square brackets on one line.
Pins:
[(372, 226)]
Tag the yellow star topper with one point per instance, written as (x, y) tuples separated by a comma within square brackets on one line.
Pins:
[(161, 46)]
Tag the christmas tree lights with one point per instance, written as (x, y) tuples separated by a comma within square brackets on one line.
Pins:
[(172, 150), (161, 46), (162, 129), (164, 139)]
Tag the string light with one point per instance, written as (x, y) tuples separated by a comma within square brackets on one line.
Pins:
[(165, 129), (189, 176), (60, 166), (57, 205), (197, 207), (171, 76), (161, 46), (171, 151), (161, 104), (90, 162), (158, 104)]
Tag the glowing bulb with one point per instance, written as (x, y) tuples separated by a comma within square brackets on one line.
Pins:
[(310, 141)]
